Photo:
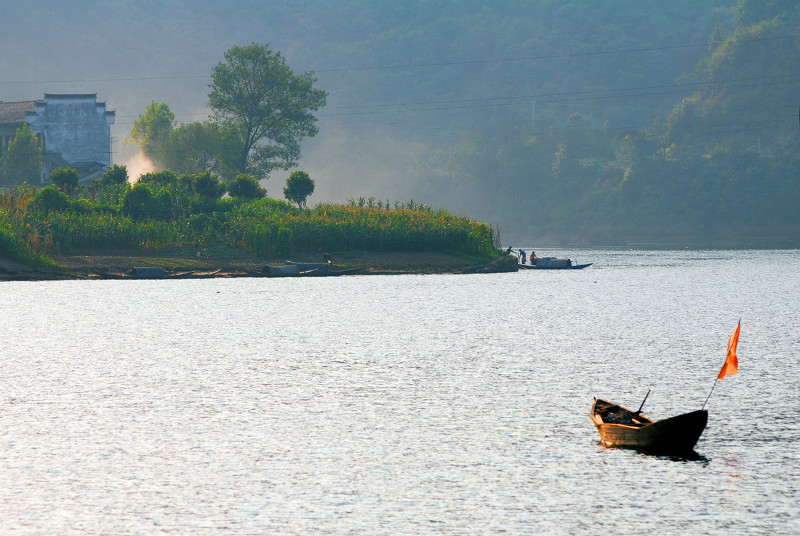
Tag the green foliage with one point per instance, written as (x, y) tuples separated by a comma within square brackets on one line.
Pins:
[(268, 105), (202, 147), (159, 179), (65, 179), (299, 186), (246, 186), (116, 174), (50, 198), (205, 184), (141, 203), (14, 248), (22, 161), (50, 221), (152, 129), (267, 229)]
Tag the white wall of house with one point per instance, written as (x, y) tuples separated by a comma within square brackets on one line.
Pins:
[(74, 127)]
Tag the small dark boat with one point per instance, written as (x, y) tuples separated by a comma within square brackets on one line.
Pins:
[(563, 264), (307, 269), (621, 427), (552, 263)]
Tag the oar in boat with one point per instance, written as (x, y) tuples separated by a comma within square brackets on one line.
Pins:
[(638, 411)]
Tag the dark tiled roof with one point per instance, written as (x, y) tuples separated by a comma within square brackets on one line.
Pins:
[(14, 112)]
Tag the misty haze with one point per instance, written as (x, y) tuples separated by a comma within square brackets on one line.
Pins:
[(383, 268), (553, 121)]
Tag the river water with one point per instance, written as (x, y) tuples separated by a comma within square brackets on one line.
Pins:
[(385, 405)]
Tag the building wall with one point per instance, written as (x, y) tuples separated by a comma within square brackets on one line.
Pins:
[(75, 128)]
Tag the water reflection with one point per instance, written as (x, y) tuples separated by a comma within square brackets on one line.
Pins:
[(398, 405)]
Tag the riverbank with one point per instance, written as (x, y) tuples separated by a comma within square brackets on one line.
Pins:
[(227, 263)]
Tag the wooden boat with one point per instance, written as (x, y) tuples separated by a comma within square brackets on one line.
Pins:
[(572, 267), (621, 427), (552, 263), (299, 269)]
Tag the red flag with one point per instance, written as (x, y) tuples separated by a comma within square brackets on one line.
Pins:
[(731, 365)]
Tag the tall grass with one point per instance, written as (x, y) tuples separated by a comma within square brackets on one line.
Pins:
[(264, 227), (343, 228)]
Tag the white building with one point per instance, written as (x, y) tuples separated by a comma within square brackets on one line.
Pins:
[(74, 130)]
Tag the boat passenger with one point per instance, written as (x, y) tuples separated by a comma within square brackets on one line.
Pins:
[(522, 256)]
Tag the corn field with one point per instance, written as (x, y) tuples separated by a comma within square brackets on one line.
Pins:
[(262, 227)]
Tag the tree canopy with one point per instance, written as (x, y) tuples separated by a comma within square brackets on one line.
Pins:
[(65, 179), (23, 159), (268, 106), (201, 147), (245, 186), (299, 186), (152, 129)]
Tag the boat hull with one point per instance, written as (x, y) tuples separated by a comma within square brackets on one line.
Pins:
[(675, 435), (574, 267)]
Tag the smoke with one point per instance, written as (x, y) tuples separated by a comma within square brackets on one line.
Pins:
[(138, 164)]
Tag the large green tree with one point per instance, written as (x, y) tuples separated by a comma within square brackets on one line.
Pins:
[(269, 106), (152, 129), (202, 147), (23, 159)]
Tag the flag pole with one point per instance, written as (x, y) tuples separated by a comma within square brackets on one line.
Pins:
[(709, 394), (732, 342)]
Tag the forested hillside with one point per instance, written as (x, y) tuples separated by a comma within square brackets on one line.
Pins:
[(563, 122)]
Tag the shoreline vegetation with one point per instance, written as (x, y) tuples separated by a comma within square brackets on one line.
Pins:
[(188, 264), (166, 222)]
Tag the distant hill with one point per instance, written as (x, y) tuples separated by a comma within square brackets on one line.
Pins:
[(563, 121)]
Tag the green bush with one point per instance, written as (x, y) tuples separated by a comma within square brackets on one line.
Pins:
[(14, 248), (50, 198), (116, 174), (159, 179), (245, 186), (65, 179), (205, 184), (140, 203)]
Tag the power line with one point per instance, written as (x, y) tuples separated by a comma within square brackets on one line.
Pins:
[(420, 65), (544, 57), (587, 95)]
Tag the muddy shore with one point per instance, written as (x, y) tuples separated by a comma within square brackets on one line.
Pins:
[(220, 263)]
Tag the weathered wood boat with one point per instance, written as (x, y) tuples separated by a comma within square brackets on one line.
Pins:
[(621, 427), (552, 263), (305, 269)]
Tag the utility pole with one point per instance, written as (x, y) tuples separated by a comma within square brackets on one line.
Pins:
[(533, 112)]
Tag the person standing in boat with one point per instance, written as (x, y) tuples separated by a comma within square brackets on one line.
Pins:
[(522, 256)]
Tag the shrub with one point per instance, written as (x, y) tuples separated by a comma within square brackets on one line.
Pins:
[(246, 186), (116, 174), (159, 179), (65, 179), (50, 198), (12, 247), (138, 202), (205, 184)]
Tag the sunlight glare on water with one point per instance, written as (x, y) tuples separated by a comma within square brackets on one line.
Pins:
[(401, 404)]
